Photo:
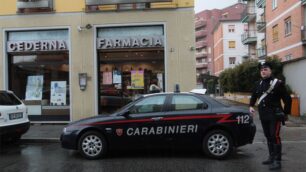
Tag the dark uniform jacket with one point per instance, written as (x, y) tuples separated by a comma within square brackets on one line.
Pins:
[(272, 101)]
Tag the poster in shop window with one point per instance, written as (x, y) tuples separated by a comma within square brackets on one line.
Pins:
[(137, 79), (58, 93), (117, 77), (34, 87), (107, 78)]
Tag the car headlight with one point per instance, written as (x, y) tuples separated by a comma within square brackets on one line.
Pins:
[(67, 130)]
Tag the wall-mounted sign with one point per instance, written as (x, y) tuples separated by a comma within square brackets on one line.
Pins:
[(130, 42), (109, 2), (30, 46)]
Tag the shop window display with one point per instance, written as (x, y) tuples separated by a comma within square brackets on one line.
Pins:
[(41, 80), (126, 75)]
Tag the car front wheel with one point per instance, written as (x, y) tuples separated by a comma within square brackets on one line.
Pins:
[(218, 144), (92, 145)]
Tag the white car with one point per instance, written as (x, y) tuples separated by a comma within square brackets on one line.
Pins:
[(14, 119)]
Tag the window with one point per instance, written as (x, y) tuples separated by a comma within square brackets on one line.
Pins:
[(275, 33), (245, 27), (232, 60), (288, 26), (8, 99), (288, 57), (231, 28), (274, 4), (231, 44), (186, 102), (149, 105)]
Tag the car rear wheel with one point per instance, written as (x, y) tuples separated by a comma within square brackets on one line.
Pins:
[(218, 144), (92, 145)]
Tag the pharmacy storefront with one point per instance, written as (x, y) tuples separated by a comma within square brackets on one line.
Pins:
[(38, 72), (130, 59)]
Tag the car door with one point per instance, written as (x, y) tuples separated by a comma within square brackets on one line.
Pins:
[(187, 113), (143, 126)]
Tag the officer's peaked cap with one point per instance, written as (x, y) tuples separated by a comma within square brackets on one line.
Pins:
[(264, 64)]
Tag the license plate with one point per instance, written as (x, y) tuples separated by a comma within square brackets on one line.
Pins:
[(15, 116)]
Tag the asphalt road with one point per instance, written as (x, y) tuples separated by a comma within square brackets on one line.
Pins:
[(51, 157)]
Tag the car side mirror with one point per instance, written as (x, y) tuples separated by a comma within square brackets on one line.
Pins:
[(205, 106), (126, 114)]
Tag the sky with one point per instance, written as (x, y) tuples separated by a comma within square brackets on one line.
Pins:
[(201, 5)]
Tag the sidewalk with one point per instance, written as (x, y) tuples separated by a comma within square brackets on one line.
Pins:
[(43, 133)]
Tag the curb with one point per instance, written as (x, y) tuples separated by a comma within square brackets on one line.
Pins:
[(40, 140)]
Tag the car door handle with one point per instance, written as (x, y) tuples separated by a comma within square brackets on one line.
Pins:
[(157, 118)]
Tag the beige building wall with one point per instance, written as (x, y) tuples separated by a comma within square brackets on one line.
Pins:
[(179, 47)]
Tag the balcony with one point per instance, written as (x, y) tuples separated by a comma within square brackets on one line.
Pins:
[(201, 55), (200, 23), (107, 5), (201, 65), (34, 6), (249, 37), (261, 3), (303, 2), (248, 14), (261, 25), (303, 33), (261, 52), (201, 33), (201, 44)]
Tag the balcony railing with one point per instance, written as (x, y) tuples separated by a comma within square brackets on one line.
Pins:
[(200, 23), (201, 65), (261, 52), (201, 44), (261, 25), (249, 37), (32, 6), (261, 3), (201, 55), (97, 5), (248, 14), (303, 33), (201, 33)]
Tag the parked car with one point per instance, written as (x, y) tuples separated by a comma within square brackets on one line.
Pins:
[(13, 117), (164, 119)]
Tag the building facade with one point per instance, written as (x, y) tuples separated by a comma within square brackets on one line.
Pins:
[(228, 50), (285, 39), (78, 58), (205, 22), (254, 34)]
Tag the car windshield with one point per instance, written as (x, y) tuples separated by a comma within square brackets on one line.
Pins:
[(127, 105), (8, 99)]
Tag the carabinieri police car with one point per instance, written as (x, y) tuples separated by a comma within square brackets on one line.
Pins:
[(163, 119)]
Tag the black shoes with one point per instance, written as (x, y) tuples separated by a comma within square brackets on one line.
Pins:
[(268, 161), (276, 165)]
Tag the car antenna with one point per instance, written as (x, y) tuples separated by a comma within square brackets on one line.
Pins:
[(177, 88)]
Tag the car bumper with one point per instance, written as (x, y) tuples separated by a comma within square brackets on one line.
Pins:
[(14, 130), (69, 141), (247, 135)]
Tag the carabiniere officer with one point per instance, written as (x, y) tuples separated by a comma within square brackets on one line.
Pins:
[(267, 109)]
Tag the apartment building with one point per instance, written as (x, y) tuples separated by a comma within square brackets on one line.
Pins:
[(254, 35), (205, 22), (228, 50), (70, 59), (285, 39)]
